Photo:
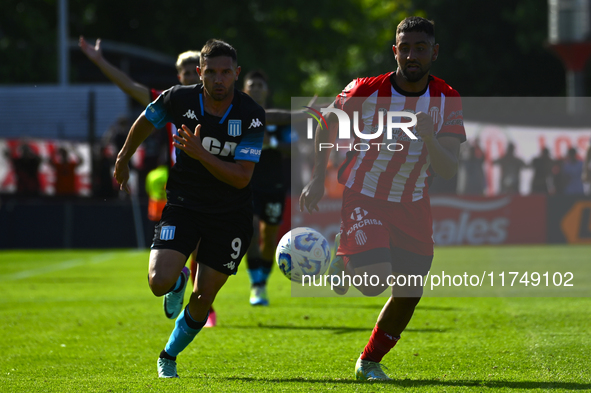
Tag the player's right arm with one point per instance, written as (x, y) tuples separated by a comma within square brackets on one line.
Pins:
[(139, 131), (314, 190), (136, 90)]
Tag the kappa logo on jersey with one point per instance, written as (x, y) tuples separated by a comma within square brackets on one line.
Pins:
[(255, 123), (235, 127), (167, 233), (358, 214), (190, 114), (230, 265), (360, 237)]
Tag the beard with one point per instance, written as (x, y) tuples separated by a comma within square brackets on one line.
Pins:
[(416, 75), (220, 95)]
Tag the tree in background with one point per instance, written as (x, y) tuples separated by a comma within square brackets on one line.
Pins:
[(493, 48)]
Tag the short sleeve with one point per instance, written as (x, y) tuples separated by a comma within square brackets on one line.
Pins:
[(158, 112), (453, 118), (344, 96), (251, 145)]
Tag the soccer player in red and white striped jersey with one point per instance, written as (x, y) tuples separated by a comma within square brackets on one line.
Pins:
[(386, 224)]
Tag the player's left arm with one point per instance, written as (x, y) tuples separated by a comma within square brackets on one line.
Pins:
[(443, 152)]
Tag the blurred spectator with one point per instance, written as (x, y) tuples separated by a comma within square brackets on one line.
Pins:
[(26, 169), (572, 174), (471, 179), (510, 171), (587, 167), (116, 135), (542, 182), (444, 186), (102, 175), (65, 171)]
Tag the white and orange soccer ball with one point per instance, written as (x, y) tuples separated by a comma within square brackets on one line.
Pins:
[(302, 251)]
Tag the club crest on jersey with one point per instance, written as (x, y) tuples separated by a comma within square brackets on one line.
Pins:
[(360, 237), (434, 112), (234, 127)]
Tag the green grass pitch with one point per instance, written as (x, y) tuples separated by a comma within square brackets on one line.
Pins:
[(86, 321)]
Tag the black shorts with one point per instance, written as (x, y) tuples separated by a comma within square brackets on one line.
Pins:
[(224, 237), (269, 206)]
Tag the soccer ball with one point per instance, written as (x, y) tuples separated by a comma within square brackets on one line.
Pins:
[(302, 251)]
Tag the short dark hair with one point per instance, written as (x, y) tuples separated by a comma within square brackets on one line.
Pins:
[(257, 74), (216, 48), (416, 24)]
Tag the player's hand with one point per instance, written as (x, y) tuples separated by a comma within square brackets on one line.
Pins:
[(424, 126), (190, 142), (93, 53), (312, 194), (121, 174)]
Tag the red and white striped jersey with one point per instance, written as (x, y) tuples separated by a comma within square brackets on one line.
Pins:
[(396, 176), (169, 127)]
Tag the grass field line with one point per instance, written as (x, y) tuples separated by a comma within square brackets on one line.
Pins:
[(57, 266)]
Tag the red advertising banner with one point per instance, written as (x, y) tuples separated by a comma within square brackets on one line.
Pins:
[(457, 220), (505, 219)]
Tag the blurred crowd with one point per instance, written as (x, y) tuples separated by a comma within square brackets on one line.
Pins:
[(551, 175), (568, 175)]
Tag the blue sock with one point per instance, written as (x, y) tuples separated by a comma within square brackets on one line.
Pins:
[(256, 276), (265, 272), (185, 330)]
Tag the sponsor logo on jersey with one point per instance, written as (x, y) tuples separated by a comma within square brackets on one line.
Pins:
[(214, 146), (361, 224), (235, 127), (358, 214), (190, 115), (167, 233), (255, 123), (455, 118), (230, 265), (248, 150)]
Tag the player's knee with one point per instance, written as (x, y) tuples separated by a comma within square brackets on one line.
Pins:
[(159, 285)]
